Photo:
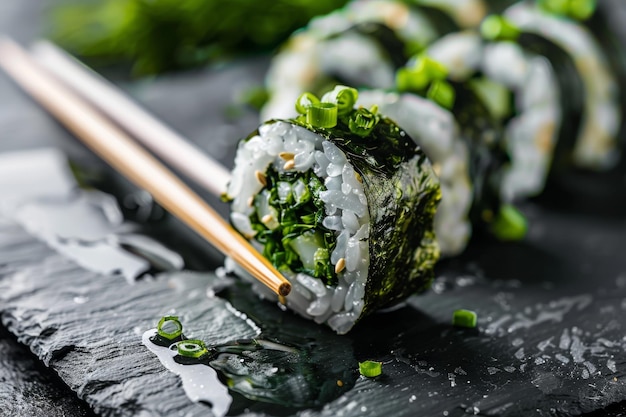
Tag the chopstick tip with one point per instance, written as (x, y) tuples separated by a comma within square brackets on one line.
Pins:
[(284, 289)]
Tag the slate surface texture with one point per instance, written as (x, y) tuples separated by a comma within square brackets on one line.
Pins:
[(551, 336)]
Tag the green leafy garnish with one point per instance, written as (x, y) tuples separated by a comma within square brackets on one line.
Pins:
[(343, 97), (322, 115), (498, 28), (192, 348), (576, 9), (164, 35), (464, 318), (300, 214), (442, 93), (169, 327), (362, 122), (305, 101), (370, 369), (427, 77), (410, 79), (509, 224)]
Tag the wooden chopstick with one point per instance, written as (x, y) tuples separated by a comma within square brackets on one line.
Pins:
[(142, 126), (126, 156)]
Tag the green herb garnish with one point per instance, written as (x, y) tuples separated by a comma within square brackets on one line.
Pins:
[(509, 224), (464, 318), (294, 197), (164, 35), (305, 101), (442, 93), (370, 369), (322, 115), (498, 28), (343, 97), (427, 77), (576, 9), (169, 327), (362, 122), (192, 348)]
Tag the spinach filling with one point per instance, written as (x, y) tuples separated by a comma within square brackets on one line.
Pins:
[(288, 219)]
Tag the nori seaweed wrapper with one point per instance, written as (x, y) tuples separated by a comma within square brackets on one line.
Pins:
[(572, 97), (402, 195), (484, 138)]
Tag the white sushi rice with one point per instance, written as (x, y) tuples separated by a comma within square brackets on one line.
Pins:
[(347, 215), (435, 131), (530, 136), (597, 143)]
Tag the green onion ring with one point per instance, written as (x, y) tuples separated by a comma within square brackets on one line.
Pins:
[(192, 348), (168, 321), (305, 101), (496, 27), (464, 318), (322, 115), (344, 97), (370, 369)]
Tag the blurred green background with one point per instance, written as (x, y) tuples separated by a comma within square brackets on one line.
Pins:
[(155, 36)]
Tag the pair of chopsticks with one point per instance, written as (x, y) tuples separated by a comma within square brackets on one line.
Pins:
[(100, 116)]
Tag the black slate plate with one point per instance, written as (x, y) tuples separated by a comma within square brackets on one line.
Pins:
[(550, 339)]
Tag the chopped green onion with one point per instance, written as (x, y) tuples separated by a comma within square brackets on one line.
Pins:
[(323, 115), (362, 122), (305, 101), (169, 327), (555, 6), (582, 9), (321, 259), (498, 28), (509, 224), (464, 318), (370, 369), (442, 93), (425, 71), (410, 79), (192, 348), (435, 69), (344, 97)]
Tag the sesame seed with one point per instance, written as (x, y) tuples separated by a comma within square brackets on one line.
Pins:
[(290, 164), (261, 177), (267, 218), (286, 155), (340, 266)]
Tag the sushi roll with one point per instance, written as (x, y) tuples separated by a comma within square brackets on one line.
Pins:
[(604, 21), (522, 90), (597, 145), (341, 201), (360, 45), (480, 132)]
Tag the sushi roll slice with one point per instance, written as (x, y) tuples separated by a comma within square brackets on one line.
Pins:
[(605, 21), (360, 45), (597, 144), (341, 201), (522, 90), (436, 131), (478, 129)]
